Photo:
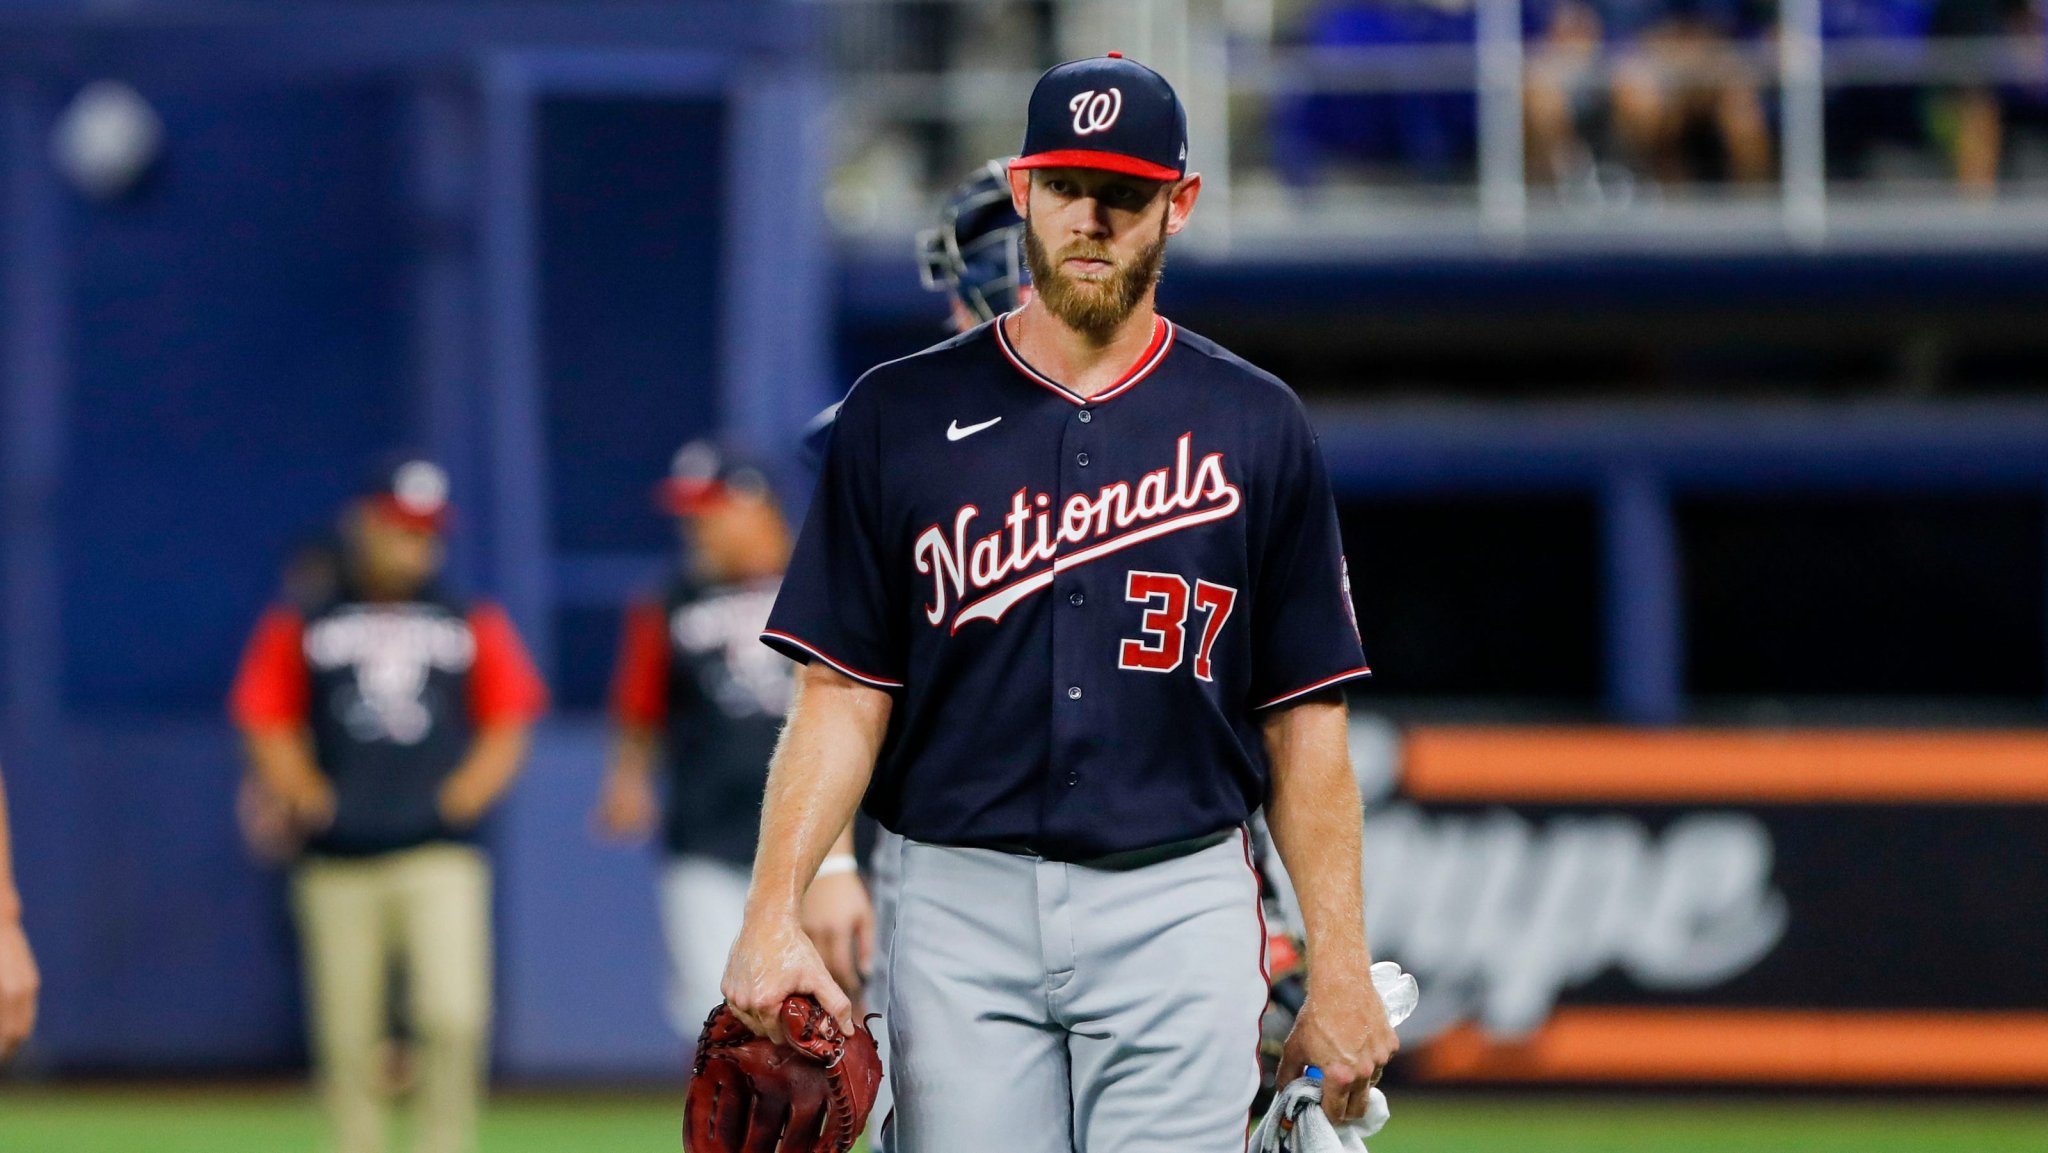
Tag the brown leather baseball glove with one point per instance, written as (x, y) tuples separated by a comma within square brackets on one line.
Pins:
[(750, 1095)]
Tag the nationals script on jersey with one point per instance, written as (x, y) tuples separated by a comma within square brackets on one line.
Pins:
[(1117, 516), (1081, 605)]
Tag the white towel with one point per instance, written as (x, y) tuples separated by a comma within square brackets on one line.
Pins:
[(1296, 1124)]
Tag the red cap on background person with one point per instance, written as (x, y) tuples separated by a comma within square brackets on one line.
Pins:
[(411, 492), (702, 475)]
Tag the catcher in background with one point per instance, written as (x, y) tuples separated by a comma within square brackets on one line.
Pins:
[(20, 983), (975, 254), (697, 702)]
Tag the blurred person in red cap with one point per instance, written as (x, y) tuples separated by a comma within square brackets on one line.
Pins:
[(698, 703), (388, 716), (19, 981)]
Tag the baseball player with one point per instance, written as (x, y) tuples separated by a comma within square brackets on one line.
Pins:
[(1072, 605), (389, 717), (19, 981), (698, 702)]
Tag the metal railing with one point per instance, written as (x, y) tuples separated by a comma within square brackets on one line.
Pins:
[(1231, 70)]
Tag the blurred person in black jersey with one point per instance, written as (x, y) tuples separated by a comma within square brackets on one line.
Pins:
[(387, 717), (698, 702)]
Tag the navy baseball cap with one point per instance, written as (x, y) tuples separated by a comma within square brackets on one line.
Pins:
[(1106, 112)]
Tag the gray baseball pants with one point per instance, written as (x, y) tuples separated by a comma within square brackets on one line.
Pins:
[(1037, 1006)]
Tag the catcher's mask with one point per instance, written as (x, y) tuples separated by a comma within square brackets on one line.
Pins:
[(977, 251)]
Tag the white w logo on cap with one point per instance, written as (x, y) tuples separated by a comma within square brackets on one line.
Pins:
[(1096, 111)]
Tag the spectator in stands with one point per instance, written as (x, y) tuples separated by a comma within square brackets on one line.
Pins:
[(1686, 104), (19, 981), (1971, 119), (699, 702), (1562, 95), (389, 717), (1681, 104)]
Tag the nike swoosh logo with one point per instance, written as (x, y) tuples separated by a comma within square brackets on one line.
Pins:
[(955, 432)]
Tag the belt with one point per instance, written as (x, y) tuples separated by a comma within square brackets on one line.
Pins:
[(1128, 858)]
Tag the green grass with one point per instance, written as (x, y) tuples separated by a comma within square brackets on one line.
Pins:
[(180, 1121), (101, 1120), (1710, 1125)]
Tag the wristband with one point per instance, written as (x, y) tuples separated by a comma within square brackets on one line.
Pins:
[(839, 863)]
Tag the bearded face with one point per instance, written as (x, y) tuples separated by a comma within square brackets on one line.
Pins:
[(1096, 302)]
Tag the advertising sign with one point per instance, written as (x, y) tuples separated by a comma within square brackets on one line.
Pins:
[(1598, 905)]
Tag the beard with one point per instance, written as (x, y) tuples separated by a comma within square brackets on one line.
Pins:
[(1093, 307)]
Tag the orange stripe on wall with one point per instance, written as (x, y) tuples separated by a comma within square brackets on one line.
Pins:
[(1755, 1047), (1618, 765)]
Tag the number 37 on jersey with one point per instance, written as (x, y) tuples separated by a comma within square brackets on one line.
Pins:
[(1169, 600)]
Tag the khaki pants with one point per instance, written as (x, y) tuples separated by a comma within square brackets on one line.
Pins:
[(428, 908)]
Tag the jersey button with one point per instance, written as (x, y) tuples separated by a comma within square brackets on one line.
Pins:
[(1073, 780), (1086, 416), (1081, 459), (1076, 597), (1074, 693)]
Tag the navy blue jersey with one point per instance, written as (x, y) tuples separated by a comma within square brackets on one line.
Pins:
[(391, 694), (690, 669), (1081, 605)]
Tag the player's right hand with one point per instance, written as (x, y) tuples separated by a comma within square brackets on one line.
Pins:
[(19, 985), (773, 959)]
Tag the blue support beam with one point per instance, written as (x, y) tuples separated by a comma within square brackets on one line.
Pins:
[(35, 372), (519, 539), (1644, 609), (36, 364), (1888, 447), (441, 187), (774, 348)]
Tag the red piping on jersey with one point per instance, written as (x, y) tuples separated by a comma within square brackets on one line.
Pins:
[(1162, 341), (1326, 682), (864, 678), (1265, 972)]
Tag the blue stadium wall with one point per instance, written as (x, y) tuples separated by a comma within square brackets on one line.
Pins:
[(245, 334)]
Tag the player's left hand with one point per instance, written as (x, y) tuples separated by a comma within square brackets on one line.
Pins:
[(841, 922), (1342, 1030), (19, 985)]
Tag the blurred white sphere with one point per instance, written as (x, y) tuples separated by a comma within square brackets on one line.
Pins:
[(106, 138)]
